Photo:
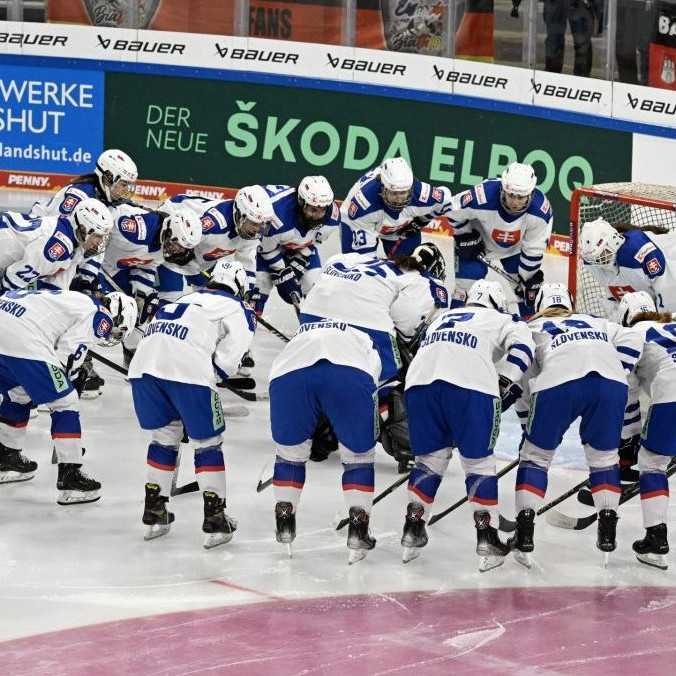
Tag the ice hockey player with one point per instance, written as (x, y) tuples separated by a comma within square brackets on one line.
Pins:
[(506, 220), (186, 348), (632, 260), (46, 252), (231, 228), (454, 397), (288, 257), (580, 370), (656, 373), (44, 337), (389, 205), (140, 240), (330, 369)]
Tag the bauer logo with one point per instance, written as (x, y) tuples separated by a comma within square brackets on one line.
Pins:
[(366, 66), (566, 93), (258, 55), (651, 106), (475, 79), (143, 46), (33, 39)]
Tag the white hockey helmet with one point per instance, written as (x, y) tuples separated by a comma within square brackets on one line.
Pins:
[(553, 294), (231, 274), (93, 224), (181, 233), (123, 312), (117, 175), (252, 211), (633, 304), (518, 182), (397, 180), (431, 259), (599, 242), (488, 294), (315, 197)]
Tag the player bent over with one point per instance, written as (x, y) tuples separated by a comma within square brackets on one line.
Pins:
[(453, 398), (40, 331), (656, 373), (173, 375), (330, 369), (580, 370)]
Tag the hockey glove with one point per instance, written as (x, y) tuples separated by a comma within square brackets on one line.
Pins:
[(469, 246), (324, 441), (149, 305), (87, 285), (528, 289), (299, 264), (287, 286), (629, 456), (509, 392), (253, 295)]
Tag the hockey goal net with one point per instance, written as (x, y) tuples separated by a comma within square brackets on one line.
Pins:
[(623, 205)]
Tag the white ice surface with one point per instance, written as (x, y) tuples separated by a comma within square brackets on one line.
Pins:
[(69, 566)]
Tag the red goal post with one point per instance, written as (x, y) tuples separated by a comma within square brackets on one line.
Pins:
[(621, 204)]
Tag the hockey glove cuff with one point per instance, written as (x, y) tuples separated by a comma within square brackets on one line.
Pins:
[(287, 286), (509, 392), (469, 246), (528, 289)]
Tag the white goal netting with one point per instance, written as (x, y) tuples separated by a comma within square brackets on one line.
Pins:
[(623, 205)]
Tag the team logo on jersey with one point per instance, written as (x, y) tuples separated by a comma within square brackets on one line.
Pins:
[(102, 325), (653, 266), (208, 223), (437, 195), (353, 209), (506, 238), (56, 251), (127, 225), (466, 198), (69, 204), (217, 253)]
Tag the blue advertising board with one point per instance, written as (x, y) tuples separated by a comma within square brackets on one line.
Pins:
[(51, 119)]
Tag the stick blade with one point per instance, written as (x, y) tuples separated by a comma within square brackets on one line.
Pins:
[(192, 487), (561, 520)]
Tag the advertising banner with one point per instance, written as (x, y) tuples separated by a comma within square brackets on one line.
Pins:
[(231, 134), (50, 119)]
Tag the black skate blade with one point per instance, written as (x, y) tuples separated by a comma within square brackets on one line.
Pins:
[(653, 560)]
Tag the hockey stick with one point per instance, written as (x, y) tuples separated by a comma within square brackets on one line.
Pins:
[(343, 522), (499, 270), (262, 485), (272, 329), (248, 396), (503, 522), (561, 520)]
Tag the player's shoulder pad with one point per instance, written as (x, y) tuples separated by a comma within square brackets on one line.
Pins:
[(636, 248), (215, 219), (74, 194), (484, 195), (367, 199), (61, 244), (102, 324), (540, 206), (138, 228), (438, 291)]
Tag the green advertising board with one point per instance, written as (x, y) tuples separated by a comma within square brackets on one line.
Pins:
[(229, 134)]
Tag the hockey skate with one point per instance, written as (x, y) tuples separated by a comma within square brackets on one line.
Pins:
[(246, 365), (522, 541), (74, 486), (359, 539), (92, 386), (654, 547), (155, 514), (490, 549), (286, 524), (605, 539), (15, 466), (217, 525), (414, 537)]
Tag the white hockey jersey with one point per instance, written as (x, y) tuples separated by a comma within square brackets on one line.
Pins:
[(207, 332), (289, 235), (364, 209), (50, 325), (463, 346), (656, 369), (42, 250), (568, 348), (219, 236), (645, 262), (502, 233), (337, 342), (368, 292)]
